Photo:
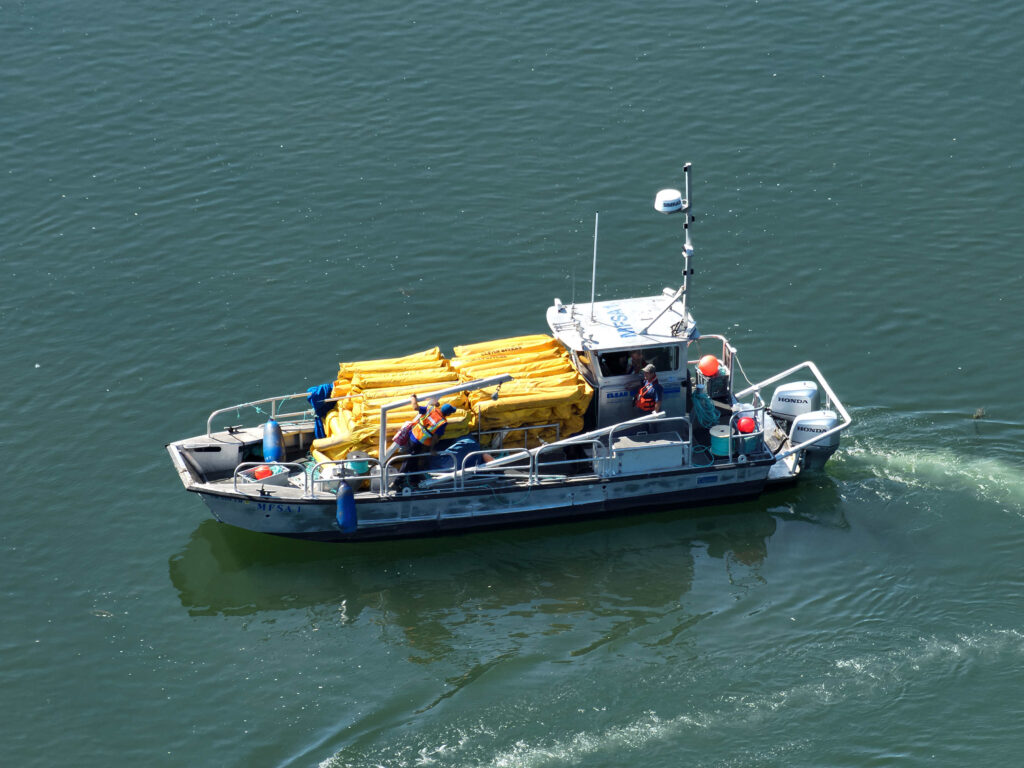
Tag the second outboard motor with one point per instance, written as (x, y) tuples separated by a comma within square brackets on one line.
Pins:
[(807, 426), (793, 399)]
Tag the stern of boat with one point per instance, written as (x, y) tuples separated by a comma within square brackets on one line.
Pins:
[(801, 422)]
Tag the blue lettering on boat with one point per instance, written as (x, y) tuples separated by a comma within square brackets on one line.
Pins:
[(705, 479), (613, 395), (621, 321), (286, 509)]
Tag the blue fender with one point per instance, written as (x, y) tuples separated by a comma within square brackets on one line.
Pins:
[(273, 441), (348, 519)]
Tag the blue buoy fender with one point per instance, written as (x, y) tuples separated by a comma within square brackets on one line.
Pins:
[(347, 518), (273, 441)]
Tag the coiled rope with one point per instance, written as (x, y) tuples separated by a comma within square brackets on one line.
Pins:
[(703, 409)]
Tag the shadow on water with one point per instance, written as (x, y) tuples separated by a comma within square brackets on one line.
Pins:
[(224, 570)]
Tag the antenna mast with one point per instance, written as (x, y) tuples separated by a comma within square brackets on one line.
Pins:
[(687, 245), (671, 201), (593, 271)]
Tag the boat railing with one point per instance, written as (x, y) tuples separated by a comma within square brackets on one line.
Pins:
[(352, 470), (275, 403), (501, 434), (831, 401), (750, 443), (592, 439), (644, 429), (725, 356), (470, 461), (258, 484), (598, 448), (727, 359), (390, 475)]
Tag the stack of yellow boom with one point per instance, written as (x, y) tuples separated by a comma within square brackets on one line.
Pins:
[(545, 390)]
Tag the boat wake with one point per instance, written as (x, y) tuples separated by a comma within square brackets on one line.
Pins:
[(753, 720), (893, 448)]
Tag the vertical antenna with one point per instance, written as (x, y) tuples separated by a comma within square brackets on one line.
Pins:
[(593, 271), (572, 304), (689, 207), (687, 245), (672, 201)]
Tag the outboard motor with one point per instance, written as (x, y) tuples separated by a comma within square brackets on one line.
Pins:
[(807, 426), (792, 400)]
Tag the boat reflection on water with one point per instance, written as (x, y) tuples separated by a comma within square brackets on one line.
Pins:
[(224, 570), (634, 566)]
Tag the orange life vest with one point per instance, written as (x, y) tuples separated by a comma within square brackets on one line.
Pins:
[(426, 426), (647, 397)]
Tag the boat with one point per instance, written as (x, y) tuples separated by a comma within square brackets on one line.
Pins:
[(543, 427)]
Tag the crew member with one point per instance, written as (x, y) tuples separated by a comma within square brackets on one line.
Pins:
[(648, 397), (636, 363), (424, 436), (428, 429)]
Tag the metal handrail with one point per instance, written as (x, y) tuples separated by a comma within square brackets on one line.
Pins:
[(248, 464), (482, 468), (311, 480), (274, 401), (832, 400), (505, 431), (661, 422), (600, 454), (387, 477), (729, 357), (583, 438), (735, 434)]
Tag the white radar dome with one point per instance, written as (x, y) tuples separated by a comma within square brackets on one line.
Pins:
[(668, 201)]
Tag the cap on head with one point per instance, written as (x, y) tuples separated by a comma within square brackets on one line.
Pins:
[(447, 409), (649, 368)]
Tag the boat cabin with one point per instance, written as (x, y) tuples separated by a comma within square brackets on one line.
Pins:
[(610, 341)]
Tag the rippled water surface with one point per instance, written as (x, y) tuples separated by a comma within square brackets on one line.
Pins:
[(204, 206)]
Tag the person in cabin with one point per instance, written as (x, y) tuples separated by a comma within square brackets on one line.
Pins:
[(648, 397), (636, 363)]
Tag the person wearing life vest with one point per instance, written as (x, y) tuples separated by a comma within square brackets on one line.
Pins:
[(428, 429), (425, 434), (648, 397)]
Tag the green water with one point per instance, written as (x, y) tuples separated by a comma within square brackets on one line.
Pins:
[(204, 206)]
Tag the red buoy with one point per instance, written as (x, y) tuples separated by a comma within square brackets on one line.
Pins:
[(745, 425), (708, 365)]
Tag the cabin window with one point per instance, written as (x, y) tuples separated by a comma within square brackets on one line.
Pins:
[(617, 363), (586, 366)]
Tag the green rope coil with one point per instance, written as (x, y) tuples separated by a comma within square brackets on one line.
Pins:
[(703, 409)]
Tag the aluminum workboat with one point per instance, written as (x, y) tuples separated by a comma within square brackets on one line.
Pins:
[(711, 438)]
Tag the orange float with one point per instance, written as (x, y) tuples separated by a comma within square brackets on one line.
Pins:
[(708, 365)]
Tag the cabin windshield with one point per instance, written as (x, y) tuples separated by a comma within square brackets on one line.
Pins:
[(624, 362), (586, 366)]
